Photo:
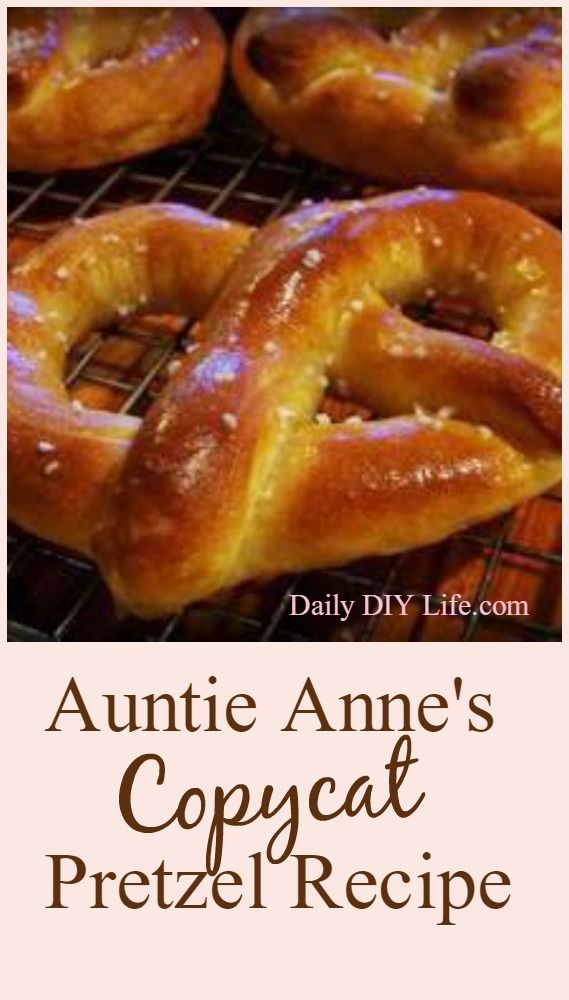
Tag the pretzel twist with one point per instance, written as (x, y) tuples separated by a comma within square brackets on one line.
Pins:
[(464, 98), (88, 86), (232, 474)]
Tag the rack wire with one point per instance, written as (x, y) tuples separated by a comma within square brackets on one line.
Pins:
[(236, 171)]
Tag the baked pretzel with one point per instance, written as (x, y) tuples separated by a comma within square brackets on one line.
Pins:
[(460, 97), (233, 473), (93, 85)]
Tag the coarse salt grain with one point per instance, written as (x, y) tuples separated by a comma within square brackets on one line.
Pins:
[(50, 468), (45, 447), (62, 273), (270, 347), (323, 419), (224, 377), (312, 257), (354, 421), (229, 420), (174, 366), (421, 415), (285, 413)]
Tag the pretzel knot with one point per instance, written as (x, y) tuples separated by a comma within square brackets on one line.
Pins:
[(234, 472), (88, 86), (465, 98)]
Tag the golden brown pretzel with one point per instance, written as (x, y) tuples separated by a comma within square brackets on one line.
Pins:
[(460, 97), (94, 85), (233, 473)]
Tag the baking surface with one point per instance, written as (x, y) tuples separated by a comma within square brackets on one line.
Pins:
[(235, 171)]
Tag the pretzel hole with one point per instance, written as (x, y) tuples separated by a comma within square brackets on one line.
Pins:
[(455, 313), (104, 370), (339, 405)]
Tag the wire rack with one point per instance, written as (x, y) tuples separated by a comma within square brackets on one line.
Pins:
[(236, 171)]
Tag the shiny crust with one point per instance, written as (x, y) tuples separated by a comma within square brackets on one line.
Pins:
[(232, 475), (464, 98), (89, 86)]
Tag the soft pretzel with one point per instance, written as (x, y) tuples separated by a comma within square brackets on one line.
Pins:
[(233, 473), (93, 85), (460, 97)]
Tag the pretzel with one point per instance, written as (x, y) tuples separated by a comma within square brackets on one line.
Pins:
[(234, 473), (88, 86), (464, 98)]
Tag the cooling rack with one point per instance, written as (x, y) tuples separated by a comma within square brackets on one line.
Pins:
[(236, 171)]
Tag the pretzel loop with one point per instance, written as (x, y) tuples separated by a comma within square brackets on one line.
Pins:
[(153, 258)]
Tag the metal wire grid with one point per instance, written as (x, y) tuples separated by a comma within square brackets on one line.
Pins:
[(235, 171)]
